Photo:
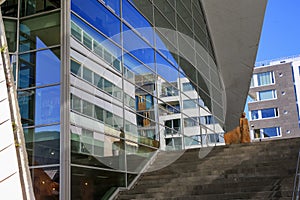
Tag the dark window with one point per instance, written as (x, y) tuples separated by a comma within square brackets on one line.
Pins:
[(40, 32), (29, 7)]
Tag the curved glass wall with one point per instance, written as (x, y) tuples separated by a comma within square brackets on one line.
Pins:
[(142, 77)]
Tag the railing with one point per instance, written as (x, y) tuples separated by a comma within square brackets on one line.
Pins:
[(296, 189), (268, 62)]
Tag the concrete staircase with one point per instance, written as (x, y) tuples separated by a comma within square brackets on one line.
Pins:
[(262, 170)]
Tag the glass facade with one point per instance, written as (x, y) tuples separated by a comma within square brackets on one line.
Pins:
[(141, 76)]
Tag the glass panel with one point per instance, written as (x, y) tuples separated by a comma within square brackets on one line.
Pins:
[(95, 183), (29, 7), (35, 67), (99, 113), (87, 75), (76, 31), (138, 47), (91, 10), (188, 104), (98, 81), (271, 132), (254, 114), (11, 33), (137, 21), (187, 87), (113, 5), (76, 67), (265, 78), (87, 40), (45, 183), (267, 113), (75, 103), (166, 70), (265, 95), (137, 156), (10, 8), (40, 106), (42, 145), (96, 149), (102, 47), (87, 108), (34, 32)]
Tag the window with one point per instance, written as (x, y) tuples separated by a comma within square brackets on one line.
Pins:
[(261, 79), (264, 113), (87, 108), (265, 78), (266, 95), (187, 87), (187, 104), (267, 132), (76, 68), (207, 119), (87, 75), (99, 113), (254, 114), (268, 113), (39, 32), (76, 103), (76, 31), (87, 40)]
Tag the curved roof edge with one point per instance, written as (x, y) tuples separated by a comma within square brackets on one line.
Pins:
[(235, 27)]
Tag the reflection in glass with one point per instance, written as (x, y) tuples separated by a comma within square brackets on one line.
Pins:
[(138, 47), (29, 7), (137, 160), (40, 106), (35, 67), (10, 33), (137, 21), (94, 184), (96, 149), (42, 145), (10, 8), (45, 183), (34, 32), (99, 16)]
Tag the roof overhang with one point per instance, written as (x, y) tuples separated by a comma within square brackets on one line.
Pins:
[(235, 27)]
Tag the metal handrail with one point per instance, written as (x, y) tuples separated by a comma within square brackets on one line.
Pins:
[(296, 189)]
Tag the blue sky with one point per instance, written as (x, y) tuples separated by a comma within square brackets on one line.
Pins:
[(281, 30)]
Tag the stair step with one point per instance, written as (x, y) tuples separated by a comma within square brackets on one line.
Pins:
[(243, 171)]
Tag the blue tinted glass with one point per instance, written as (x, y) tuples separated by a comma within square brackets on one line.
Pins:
[(42, 145), (139, 48), (114, 5), (254, 114), (40, 106), (34, 68), (135, 66), (271, 132), (98, 16), (102, 40), (266, 113), (137, 21), (166, 69)]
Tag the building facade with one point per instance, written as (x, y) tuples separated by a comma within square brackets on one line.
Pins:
[(274, 110), (103, 84)]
